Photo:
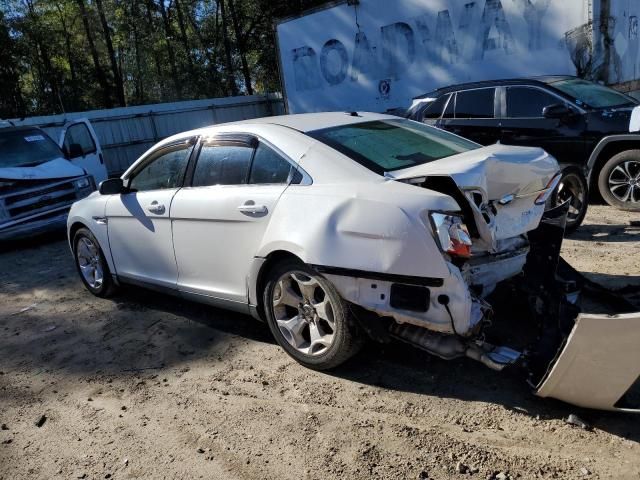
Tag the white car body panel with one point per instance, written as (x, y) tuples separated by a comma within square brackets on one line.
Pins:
[(599, 362), (140, 240), (57, 168), (207, 221)]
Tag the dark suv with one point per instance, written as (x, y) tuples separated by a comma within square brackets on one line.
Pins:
[(592, 130)]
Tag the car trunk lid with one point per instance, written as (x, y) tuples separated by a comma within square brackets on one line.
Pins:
[(501, 184)]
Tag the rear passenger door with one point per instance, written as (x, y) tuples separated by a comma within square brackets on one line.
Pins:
[(472, 114), (220, 218), (525, 125)]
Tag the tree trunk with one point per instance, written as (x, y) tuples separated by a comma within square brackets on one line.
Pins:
[(170, 52), (184, 38), (156, 56), (72, 67), (242, 50), (232, 88), (117, 78), (100, 75), (213, 78), (138, 83)]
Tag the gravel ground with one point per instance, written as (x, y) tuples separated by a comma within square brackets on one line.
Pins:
[(147, 386)]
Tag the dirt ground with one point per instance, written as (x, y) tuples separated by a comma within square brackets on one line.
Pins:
[(147, 386)]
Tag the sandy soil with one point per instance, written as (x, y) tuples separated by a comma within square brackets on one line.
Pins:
[(146, 386)]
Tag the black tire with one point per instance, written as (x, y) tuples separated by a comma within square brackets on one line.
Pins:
[(106, 287), (616, 170), (573, 188), (347, 340)]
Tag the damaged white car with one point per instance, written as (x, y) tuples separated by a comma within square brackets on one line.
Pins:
[(335, 227)]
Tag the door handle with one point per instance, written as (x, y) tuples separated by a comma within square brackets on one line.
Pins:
[(252, 208), (156, 208)]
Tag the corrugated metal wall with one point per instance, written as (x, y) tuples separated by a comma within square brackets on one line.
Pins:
[(126, 133)]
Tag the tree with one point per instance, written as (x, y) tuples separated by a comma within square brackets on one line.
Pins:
[(67, 55)]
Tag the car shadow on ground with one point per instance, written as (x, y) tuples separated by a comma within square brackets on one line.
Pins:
[(143, 330), (399, 367), (606, 233)]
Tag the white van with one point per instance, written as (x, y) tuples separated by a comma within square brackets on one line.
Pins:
[(40, 179)]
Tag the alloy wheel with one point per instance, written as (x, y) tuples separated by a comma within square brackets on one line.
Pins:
[(304, 313), (90, 263), (624, 181), (570, 189)]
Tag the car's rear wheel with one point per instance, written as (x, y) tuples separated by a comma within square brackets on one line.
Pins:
[(572, 188), (91, 264), (619, 181), (308, 318)]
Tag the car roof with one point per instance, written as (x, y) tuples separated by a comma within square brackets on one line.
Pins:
[(307, 122), (539, 80)]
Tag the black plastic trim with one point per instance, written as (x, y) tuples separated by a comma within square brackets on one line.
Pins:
[(386, 277)]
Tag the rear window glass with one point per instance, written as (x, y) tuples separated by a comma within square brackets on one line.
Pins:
[(475, 103), (387, 145)]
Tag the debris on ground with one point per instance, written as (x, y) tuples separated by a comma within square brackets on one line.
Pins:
[(576, 421)]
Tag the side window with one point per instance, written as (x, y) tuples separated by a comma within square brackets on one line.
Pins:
[(269, 167), (79, 134), (222, 165), (434, 110), (525, 102), (475, 103), (449, 112), (166, 170)]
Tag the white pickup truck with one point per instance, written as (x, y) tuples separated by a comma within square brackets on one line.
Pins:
[(40, 179)]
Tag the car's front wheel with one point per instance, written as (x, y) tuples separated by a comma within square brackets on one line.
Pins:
[(619, 181), (91, 264), (308, 318)]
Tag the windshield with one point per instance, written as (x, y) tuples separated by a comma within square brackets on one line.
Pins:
[(26, 148), (387, 145), (593, 94)]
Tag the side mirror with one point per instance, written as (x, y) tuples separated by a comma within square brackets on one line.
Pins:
[(75, 150), (557, 111), (112, 186)]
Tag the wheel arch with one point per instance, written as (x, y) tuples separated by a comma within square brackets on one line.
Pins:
[(73, 229), (265, 265), (604, 151)]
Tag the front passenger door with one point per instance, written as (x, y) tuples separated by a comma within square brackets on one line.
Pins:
[(525, 125), (138, 222)]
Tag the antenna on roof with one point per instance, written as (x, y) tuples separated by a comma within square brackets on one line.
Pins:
[(353, 114)]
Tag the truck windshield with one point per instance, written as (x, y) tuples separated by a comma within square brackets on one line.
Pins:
[(593, 94), (387, 145), (26, 148)]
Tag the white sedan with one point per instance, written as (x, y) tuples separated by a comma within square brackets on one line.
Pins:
[(330, 227)]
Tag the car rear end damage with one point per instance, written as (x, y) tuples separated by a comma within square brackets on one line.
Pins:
[(509, 300)]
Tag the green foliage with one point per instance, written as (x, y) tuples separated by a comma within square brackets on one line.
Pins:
[(73, 55)]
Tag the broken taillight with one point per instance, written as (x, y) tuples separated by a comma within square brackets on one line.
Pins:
[(452, 234), (548, 190)]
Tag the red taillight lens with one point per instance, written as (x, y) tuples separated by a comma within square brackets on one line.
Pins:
[(452, 234)]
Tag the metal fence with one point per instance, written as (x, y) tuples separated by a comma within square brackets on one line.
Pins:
[(125, 133)]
